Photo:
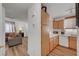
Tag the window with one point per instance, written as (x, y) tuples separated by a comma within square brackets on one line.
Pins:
[(70, 23), (9, 26), (70, 31)]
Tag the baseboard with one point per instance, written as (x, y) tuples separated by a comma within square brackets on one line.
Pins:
[(68, 48), (52, 50)]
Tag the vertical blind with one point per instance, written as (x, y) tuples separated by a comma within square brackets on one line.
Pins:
[(9, 26)]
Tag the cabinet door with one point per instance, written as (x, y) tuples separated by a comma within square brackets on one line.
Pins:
[(55, 24), (61, 24), (51, 44), (45, 40), (72, 42), (55, 41)]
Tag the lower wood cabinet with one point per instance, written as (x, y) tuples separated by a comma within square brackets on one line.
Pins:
[(72, 42), (61, 24), (51, 44), (54, 42)]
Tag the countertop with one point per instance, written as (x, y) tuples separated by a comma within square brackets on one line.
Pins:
[(66, 35), (74, 35)]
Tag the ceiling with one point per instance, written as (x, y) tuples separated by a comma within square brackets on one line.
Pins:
[(17, 10), (57, 10)]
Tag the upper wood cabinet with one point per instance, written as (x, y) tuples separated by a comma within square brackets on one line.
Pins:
[(68, 22), (58, 24), (55, 24), (44, 17), (54, 42), (61, 24)]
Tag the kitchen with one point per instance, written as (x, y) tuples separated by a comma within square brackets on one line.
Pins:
[(61, 30)]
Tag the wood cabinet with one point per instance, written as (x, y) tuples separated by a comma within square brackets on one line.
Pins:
[(58, 24), (54, 42), (55, 24), (44, 34), (51, 44), (61, 24), (72, 42)]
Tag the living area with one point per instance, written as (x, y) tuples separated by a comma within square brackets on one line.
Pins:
[(16, 29)]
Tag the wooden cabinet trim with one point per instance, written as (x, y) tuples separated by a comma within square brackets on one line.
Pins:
[(70, 17)]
